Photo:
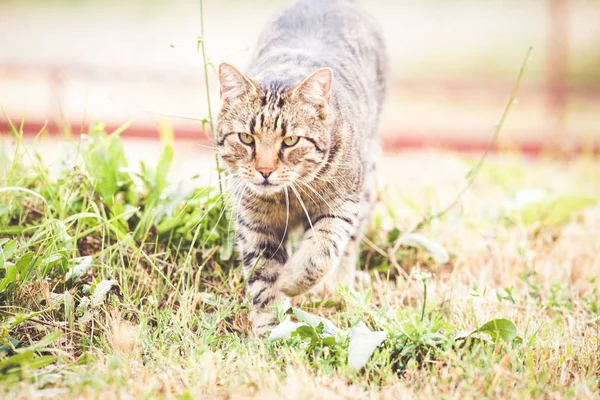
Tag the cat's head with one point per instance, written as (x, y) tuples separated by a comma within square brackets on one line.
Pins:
[(271, 137)]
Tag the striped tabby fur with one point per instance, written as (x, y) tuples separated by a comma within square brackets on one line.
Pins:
[(298, 131)]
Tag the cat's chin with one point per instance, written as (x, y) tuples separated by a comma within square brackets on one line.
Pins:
[(266, 190)]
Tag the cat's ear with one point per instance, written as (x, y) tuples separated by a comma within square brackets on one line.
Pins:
[(316, 88), (233, 82)]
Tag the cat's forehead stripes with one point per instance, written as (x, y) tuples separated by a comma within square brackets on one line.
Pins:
[(270, 117)]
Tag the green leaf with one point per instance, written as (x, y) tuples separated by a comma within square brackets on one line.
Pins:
[(554, 211), (146, 223), (437, 251), (7, 348), (499, 328), (101, 291), (363, 343), (10, 277), (9, 249), (285, 329), (81, 267), (69, 309), (329, 329), (83, 310), (41, 362), (121, 129), (163, 167), (105, 162), (46, 340), (308, 332), (15, 361), (25, 265)]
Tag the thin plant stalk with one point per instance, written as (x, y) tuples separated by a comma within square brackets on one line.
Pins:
[(424, 299), (200, 48), (473, 171)]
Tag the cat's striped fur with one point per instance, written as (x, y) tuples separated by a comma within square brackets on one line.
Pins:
[(298, 131)]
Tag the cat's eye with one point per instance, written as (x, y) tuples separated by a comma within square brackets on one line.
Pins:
[(246, 139), (291, 141)]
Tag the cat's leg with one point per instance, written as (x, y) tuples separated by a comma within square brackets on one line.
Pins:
[(345, 274), (264, 254), (342, 274), (321, 250)]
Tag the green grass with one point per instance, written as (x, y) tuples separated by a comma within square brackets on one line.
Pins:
[(118, 280)]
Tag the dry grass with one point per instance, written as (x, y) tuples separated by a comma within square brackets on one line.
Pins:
[(152, 341)]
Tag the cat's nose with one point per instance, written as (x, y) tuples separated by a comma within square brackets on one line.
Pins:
[(266, 172)]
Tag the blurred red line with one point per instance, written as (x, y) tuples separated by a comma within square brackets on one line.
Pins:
[(457, 86), (391, 140)]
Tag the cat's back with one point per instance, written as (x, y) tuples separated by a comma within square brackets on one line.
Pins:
[(314, 33), (328, 23)]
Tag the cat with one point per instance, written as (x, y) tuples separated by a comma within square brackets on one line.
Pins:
[(298, 131)]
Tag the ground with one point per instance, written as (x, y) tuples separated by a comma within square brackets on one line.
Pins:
[(117, 281)]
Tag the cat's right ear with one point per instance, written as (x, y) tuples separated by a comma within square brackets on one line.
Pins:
[(233, 82)]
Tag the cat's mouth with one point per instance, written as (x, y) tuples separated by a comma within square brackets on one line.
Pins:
[(266, 187)]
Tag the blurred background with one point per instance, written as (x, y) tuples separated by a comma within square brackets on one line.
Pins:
[(453, 65)]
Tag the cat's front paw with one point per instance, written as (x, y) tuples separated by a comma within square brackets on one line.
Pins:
[(262, 321), (265, 319)]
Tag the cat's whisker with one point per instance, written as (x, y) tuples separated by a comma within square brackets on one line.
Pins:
[(205, 146), (227, 201), (333, 210), (315, 192), (309, 195), (320, 178), (287, 217), (200, 192), (226, 171), (305, 210)]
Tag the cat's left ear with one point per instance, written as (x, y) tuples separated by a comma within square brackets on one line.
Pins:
[(316, 88), (233, 82)]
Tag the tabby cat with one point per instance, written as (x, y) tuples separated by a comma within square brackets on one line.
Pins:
[(298, 131)]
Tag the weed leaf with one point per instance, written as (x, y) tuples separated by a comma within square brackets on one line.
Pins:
[(437, 251), (83, 310), (15, 362), (41, 362), (163, 167), (101, 291), (10, 277), (363, 343), (285, 329), (7, 348), (329, 329), (25, 265), (82, 266), (499, 328), (554, 211), (8, 249), (46, 340)]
